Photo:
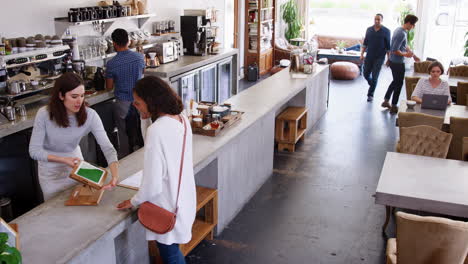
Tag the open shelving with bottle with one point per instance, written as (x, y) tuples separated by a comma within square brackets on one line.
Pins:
[(260, 34)]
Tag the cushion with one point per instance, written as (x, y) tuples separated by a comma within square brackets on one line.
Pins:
[(343, 70)]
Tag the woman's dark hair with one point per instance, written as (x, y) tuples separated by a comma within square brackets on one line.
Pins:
[(57, 111), (120, 37), (412, 19), (436, 64), (159, 97)]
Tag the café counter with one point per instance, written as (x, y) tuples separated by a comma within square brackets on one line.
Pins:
[(236, 163)]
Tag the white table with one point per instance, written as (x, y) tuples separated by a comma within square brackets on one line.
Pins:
[(452, 110), (423, 183)]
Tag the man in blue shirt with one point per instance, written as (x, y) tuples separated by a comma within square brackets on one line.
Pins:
[(122, 72), (398, 51), (377, 44)]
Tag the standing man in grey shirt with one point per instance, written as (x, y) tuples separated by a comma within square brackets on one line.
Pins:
[(398, 50)]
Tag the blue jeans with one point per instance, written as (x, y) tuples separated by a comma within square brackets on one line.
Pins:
[(171, 254), (398, 73), (371, 73), (356, 47)]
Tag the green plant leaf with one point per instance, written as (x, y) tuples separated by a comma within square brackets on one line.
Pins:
[(3, 238)]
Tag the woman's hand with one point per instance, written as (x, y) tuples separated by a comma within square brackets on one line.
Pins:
[(125, 205), (70, 161), (111, 184)]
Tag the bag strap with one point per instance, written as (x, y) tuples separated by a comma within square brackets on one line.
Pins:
[(181, 162)]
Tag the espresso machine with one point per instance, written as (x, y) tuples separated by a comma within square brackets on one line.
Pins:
[(196, 34)]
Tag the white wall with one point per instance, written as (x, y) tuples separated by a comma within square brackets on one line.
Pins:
[(30, 17)]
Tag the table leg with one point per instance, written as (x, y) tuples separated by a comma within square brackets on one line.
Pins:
[(389, 211)]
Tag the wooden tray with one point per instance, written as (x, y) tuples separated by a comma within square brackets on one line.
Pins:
[(227, 122)]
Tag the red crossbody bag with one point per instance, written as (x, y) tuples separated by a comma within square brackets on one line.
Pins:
[(158, 219)]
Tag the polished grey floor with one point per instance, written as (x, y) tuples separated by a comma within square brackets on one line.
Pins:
[(317, 207)]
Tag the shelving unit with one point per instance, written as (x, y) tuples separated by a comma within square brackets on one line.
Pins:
[(260, 36), (290, 126), (110, 55), (203, 227), (62, 23)]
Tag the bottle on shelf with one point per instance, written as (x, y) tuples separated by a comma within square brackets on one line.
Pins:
[(8, 49)]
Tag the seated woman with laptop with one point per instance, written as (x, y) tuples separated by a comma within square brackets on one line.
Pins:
[(432, 85)]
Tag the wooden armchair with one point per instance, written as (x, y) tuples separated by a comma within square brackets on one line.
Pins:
[(427, 240), (424, 141), (422, 67), (462, 93), (410, 84)]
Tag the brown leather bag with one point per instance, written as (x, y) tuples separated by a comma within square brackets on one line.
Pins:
[(158, 219)]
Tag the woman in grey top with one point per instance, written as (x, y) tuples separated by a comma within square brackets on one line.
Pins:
[(432, 85), (58, 129)]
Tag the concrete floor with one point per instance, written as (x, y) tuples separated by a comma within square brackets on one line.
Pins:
[(317, 207)]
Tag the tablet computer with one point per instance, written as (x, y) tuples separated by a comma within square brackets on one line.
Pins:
[(89, 174)]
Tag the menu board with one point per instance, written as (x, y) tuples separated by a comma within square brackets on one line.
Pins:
[(89, 174)]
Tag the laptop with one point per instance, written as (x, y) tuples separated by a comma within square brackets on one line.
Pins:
[(434, 101)]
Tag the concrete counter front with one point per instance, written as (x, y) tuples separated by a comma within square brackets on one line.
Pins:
[(237, 163)]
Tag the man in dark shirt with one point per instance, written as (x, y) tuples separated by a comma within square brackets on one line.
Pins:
[(376, 44), (122, 72)]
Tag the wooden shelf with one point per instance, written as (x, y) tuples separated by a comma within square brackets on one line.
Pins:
[(292, 113), (254, 37), (264, 21), (253, 54), (204, 195), (290, 127), (200, 231)]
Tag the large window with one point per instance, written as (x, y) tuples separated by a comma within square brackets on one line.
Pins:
[(350, 18), (448, 24)]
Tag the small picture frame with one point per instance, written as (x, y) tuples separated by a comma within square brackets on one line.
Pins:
[(13, 239), (89, 174)]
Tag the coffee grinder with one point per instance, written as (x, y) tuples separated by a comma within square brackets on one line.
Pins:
[(196, 35)]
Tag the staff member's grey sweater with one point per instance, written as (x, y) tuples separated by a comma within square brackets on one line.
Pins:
[(48, 138)]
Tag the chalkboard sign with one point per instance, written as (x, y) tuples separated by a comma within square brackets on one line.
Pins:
[(12, 234), (89, 174)]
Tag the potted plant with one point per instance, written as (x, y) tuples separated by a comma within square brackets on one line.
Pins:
[(8, 254), (340, 46), (290, 15)]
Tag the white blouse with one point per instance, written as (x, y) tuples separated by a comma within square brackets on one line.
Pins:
[(424, 87), (163, 146)]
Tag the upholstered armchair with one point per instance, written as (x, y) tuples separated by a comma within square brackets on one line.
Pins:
[(424, 141), (461, 71), (283, 49), (462, 93), (465, 150), (427, 240), (410, 83), (406, 119), (459, 130), (422, 67)]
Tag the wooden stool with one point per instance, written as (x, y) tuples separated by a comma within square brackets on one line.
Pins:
[(290, 127), (202, 228)]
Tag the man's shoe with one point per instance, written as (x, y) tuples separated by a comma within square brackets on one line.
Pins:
[(386, 104), (370, 98), (394, 109)]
